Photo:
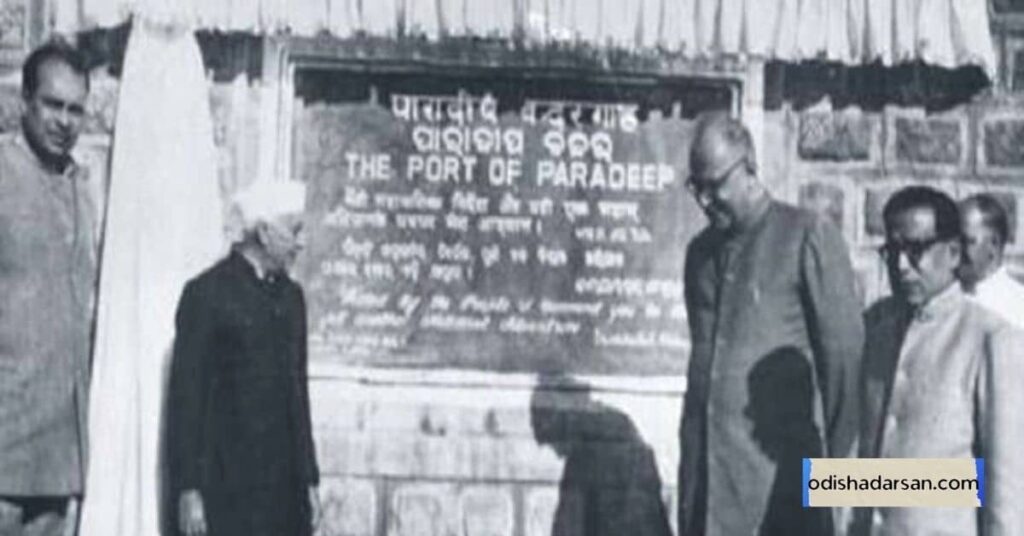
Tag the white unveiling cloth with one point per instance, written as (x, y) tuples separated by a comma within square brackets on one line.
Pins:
[(164, 225)]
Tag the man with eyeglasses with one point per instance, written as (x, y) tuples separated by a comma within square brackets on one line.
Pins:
[(941, 377), (771, 302)]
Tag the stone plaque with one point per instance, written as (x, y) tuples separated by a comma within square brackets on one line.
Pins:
[(477, 221)]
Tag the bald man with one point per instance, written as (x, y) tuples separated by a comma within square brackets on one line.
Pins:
[(776, 333)]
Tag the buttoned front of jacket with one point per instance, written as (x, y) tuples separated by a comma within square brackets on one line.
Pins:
[(779, 293), (239, 424)]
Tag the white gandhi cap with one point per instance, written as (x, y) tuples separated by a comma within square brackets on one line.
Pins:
[(264, 200)]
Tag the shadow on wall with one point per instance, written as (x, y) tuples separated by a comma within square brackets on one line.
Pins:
[(781, 412), (610, 485)]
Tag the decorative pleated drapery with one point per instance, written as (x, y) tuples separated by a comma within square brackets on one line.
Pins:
[(946, 33), (163, 226)]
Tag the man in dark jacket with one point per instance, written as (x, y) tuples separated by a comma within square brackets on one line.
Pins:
[(241, 448), (770, 297)]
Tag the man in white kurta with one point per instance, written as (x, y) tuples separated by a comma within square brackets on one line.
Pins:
[(985, 228), (941, 376)]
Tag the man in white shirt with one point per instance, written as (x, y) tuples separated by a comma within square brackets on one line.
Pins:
[(985, 230), (941, 375)]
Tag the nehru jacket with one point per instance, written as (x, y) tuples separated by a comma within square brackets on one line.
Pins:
[(944, 381), (776, 332), (239, 428), (47, 280)]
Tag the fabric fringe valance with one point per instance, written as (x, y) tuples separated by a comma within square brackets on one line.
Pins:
[(946, 33)]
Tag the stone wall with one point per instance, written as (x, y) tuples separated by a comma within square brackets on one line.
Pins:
[(455, 453), (427, 455), (847, 163)]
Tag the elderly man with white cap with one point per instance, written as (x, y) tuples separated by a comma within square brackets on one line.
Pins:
[(242, 460)]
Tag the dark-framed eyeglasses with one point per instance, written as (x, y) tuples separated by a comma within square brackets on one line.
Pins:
[(706, 189), (913, 249)]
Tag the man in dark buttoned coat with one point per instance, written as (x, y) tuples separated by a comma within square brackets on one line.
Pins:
[(241, 445), (774, 316), (48, 251)]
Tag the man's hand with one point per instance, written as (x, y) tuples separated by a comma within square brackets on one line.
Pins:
[(191, 517), (315, 513)]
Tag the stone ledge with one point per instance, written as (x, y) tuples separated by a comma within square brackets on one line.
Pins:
[(411, 456), (668, 385), (339, 405)]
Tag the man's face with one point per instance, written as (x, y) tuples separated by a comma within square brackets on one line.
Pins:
[(55, 112), (920, 266), (981, 248), (282, 238), (715, 186)]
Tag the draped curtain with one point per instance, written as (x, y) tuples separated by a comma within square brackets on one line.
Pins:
[(947, 33), (163, 227)]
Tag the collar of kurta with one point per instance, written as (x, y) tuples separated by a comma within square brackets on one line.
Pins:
[(244, 266), (70, 170), (939, 304)]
